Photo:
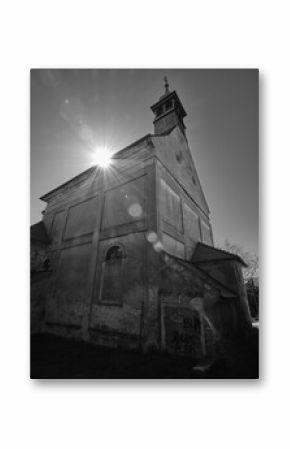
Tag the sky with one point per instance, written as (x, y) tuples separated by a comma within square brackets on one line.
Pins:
[(75, 111)]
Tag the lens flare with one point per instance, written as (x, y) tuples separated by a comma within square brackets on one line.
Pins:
[(158, 246), (135, 210), (152, 237), (102, 157)]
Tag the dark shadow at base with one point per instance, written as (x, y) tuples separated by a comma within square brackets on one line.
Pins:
[(55, 358)]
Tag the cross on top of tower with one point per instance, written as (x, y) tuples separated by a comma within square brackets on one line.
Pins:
[(166, 85)]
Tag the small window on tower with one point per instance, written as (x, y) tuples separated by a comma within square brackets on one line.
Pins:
[(168, 105), (159, 111)]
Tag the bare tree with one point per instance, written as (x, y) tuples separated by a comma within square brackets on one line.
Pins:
[(251, 259)]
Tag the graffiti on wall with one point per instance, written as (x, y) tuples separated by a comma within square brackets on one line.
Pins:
[(182, 330)]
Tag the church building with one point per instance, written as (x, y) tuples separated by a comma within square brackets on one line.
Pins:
[(124, 255)]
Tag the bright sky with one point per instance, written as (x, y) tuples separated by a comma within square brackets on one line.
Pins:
[(75, 111)]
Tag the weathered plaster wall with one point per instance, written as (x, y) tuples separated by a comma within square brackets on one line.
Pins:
[(177, 284), (174, 153), (83, 223), (40, 279), (68, 297), (180, 220), (40, 283), (38, 255), (124, 318), (171, 283), (86, 217)]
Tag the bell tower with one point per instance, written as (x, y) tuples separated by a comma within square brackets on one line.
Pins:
[(168, 111)]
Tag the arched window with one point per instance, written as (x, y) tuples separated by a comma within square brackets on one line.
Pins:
[(114, 253), (111, 289)]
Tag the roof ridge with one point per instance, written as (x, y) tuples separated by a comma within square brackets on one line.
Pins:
[(233, 255), (204, 273)]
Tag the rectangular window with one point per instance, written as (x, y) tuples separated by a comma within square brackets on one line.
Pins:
[(170, 206), (111, 289), (111, 282), (81, 219), (173, 246), (124, 204), (191, 224), (206, 233), (72, 279)]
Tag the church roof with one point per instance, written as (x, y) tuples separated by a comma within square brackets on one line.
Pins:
[(205, 254), (119, 154), (225, 291), (85, 174), (156, 141)]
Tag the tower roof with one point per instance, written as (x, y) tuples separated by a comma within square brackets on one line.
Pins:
[(164, 98), (168, 111)]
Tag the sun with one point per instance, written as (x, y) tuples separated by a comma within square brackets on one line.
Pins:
[(102, 157)]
